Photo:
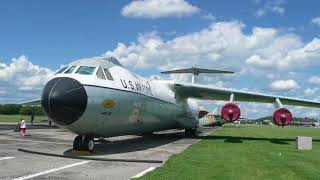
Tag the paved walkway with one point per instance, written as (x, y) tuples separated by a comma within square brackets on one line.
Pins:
[(21, 165)]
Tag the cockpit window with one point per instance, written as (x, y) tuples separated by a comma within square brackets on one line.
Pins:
[(100, 74), (85, 70), (70, 70), (108, 74), (62, 69)]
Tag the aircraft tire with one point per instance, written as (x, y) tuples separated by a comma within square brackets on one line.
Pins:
[(89, 144), (194, 132), (77, 143), (186, 132), (191, 132)]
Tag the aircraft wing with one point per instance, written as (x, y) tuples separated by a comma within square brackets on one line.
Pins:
[(187, 90), (32, 103)]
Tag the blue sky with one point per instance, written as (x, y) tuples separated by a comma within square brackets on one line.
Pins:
[(43, 35), (51, 33)]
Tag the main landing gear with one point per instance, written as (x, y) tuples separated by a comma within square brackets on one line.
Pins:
[(84, 143), (191, 132)]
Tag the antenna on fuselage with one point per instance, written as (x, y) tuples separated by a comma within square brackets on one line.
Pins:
[(196, 72)]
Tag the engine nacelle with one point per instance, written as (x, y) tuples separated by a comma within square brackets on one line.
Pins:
[(282, 117), (230, 112)]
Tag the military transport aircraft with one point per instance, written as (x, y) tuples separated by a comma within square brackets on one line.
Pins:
[(98, 97)]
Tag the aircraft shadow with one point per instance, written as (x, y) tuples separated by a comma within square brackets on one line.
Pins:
[(237, 139), (134, 144)]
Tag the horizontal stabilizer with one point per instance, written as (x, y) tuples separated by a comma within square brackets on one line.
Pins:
[(197, 71), (32, 103)]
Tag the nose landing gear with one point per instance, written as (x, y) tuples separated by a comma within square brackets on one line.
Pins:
[(84, 143)]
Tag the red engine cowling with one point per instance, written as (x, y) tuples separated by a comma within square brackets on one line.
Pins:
[(282, 117), (230, 112)]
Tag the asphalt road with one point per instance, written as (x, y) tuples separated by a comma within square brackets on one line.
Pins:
[(21, 165), (11, 126)]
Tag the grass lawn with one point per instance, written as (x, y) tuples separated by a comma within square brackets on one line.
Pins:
[(246, 152), (16, 118)]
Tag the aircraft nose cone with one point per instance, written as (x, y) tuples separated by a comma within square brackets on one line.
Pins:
[(64, 100)]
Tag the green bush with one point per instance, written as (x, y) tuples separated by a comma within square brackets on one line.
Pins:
[(38, 111), (29, 110), (10, 109), (26, 110)]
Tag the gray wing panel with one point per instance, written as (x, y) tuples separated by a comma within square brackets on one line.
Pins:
[(186, 90)]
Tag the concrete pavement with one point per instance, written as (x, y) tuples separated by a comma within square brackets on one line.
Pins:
[(21, 165)]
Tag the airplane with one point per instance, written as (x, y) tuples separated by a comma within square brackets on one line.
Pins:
[(98, 97)]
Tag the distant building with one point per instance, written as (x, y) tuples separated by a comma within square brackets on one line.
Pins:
[(307, 122)]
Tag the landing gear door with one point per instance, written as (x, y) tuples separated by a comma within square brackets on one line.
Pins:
[(136, 113)]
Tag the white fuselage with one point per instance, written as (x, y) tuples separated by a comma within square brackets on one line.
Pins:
[(129, 104)]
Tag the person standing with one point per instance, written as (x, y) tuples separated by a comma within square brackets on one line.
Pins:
[(23, 126), (32, 118)]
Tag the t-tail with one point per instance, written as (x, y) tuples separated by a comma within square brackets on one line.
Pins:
[(197, 71)]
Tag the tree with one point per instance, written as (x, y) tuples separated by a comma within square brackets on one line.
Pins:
[(29, 110), (26, 110), (38, 110), (14, 109), (10, 109)]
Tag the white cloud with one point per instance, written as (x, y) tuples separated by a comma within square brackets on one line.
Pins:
[(223, 44), (284, 84), (2, 92), (22, 74), (291, 57), (159, 8), (316, 21), (272, 6), (278, 9), (260, 12), (311, 91), (208, 16), (260, 55), (314, 80), (256, 60), (311, 113)]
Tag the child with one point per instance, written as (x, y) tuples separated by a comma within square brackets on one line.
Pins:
[(23, 126)]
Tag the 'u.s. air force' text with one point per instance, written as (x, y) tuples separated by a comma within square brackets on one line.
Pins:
[(136, 86)]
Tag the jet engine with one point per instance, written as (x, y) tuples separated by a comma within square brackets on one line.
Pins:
[(230, 112), (282, 116)]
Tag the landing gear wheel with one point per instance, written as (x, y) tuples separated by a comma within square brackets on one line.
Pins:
[(89, 144), (187, 132), (86, 144), (191, 132), (77, 143), (194, 132)]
